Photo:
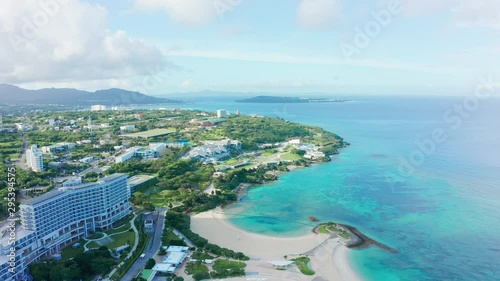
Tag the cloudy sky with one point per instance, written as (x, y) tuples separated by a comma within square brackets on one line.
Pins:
[(295, 46)]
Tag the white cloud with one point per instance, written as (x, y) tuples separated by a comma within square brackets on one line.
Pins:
[(187, 83), (67, 41), (425, 7), (319, 14), (189, 12), (478, 13), (415, 8)]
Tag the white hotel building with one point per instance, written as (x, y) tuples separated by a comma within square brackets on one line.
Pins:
[(34, 158), (60, 217)]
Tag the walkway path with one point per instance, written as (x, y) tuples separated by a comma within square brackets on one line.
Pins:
[(209, 189), (136, 243), (85, 248), (183, 237)]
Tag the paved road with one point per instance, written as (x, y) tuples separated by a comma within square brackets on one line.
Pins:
[(152, 247), (22, 159)]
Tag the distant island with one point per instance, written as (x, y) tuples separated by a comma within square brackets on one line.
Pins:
[(274, 99)]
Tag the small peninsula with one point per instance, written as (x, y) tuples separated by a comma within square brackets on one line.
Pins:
[(275, 99)]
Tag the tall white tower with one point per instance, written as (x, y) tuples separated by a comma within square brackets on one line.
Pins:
[(34, 159), (89, 124)]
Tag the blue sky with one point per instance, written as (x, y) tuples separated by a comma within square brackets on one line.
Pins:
[(282, 46)]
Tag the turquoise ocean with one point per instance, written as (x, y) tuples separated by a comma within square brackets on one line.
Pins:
[(437, 203)]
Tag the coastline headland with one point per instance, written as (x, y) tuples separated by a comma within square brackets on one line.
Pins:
[(354, 239)]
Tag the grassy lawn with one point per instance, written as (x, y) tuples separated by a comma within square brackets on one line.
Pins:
[(93, 244), (232, 161), (68, 252), (268, 153), (302, 265), (244, 167), (290, 156), (323, 229), (162, 198), (150, 133), (96, 236), (331, 227), (119, 229), (123, 220), (221, 265), (14, 157), (122, 239), (193, 268), (157, 200)]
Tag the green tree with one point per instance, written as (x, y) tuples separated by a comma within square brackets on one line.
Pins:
[(150, 264)]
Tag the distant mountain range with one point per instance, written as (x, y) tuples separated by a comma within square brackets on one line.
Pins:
[(13, 95)]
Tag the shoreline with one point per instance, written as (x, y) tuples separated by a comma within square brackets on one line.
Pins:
[(328, 254)]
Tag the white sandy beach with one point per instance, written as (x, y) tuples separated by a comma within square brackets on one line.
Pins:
[(328, 256)]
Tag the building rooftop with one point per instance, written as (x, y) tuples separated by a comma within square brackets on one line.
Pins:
[(147, 274), (20, 233), (139, 179), (177, 249), (57, 192), (149, 216), (46, 196), (175, 257), (163, 267)]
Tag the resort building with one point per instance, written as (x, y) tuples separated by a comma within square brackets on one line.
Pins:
[(213, 151), (127, 128), (208, 153), (34, 159), (60, 217), (138, 181), (83, 142), (149, 221), (157, 147), (73, 182), (314, 155), (97, 107), (174, 259), (127, 155), (177, 144), (227, 143), (152, 151), (221, 113), (87, 160), (207, 122), (62, 146), (13, 264), (23, 127)]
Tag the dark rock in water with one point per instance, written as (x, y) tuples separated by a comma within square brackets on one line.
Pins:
[(362, 241), (313, 219)]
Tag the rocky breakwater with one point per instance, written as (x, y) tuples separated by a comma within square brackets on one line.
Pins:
[(354, 239)]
